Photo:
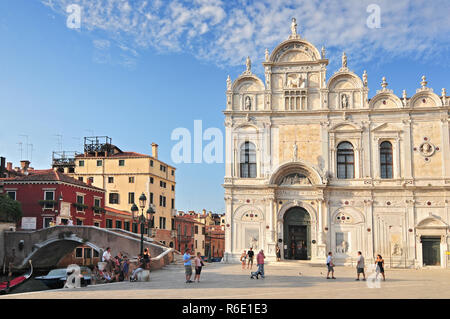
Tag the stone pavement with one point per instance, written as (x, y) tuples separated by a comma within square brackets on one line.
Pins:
[(283, 280)]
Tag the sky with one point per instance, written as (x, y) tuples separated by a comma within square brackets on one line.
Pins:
[(137, 70)]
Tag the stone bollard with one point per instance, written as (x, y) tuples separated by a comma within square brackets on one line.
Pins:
[(143, 275)]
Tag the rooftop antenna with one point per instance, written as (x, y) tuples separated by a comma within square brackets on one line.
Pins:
[(79, 141), (59, 141), (21, 150), (31, 152), (26, 143)]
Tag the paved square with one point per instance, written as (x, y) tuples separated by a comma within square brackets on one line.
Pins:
[(282, 281)]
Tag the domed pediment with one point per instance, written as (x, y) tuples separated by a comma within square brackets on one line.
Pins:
[(248, 83), (296, 173), (344, 81), (295, 50), (385, 100)]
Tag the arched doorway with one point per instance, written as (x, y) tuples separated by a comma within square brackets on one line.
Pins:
[(297, 234)]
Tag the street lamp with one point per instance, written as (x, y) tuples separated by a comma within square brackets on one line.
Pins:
[(141, 218)]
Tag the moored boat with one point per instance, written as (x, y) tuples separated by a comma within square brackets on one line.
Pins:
[(56, 278), (8, 285)]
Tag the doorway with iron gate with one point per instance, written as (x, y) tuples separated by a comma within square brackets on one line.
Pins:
[(297, 234)]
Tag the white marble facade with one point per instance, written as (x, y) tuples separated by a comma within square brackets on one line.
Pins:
[(288, 129)]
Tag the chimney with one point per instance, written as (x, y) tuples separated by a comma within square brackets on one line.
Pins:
[(89, 182), (24, 165), (155, 150), (204, 211), (2, 166), (9, 166)]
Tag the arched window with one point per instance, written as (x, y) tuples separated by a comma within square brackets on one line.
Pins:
[(386, 160), (248, 160), (345, 161)]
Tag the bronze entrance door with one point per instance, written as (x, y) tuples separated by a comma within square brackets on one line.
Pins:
[(297, 234), (431, 251)]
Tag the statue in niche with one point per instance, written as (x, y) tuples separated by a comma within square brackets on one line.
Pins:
[(344, 101), (248, 103), (253, 242), (397, 250), (295, 151)]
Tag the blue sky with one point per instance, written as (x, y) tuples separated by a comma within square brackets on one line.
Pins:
[(136, 70)]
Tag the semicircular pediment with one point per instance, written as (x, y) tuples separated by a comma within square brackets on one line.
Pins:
[(297, 178), (295, 51), (295, 173)]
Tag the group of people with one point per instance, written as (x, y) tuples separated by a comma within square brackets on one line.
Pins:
[(198, 264), (247, 258), (379, 266), (118, 268), (247, 261)]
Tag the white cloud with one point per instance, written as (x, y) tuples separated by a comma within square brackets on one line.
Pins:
[(225, 32)]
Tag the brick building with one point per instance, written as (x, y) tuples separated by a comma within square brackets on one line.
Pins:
[(48, 196)]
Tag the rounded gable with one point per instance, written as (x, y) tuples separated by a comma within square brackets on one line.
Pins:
[(344, 81), (248, 83), (294, 50)]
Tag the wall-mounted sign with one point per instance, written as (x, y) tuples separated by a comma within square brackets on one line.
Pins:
[(28, 222)]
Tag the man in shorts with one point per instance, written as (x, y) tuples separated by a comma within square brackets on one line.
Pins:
[(360, 266), (250, 255), (188, 265), (330, 266)]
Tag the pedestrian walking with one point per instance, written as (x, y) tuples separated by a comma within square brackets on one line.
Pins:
[(250, 255), (379, 262), (243, 259), (278, 253), (188, 265), (360, 266), (330, 266), (260, 262), (198, 266)]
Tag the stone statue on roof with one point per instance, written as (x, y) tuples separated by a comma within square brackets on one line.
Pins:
[(344, 60), (294, 28), (248, 64)]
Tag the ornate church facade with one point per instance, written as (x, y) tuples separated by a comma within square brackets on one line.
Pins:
[(313, 165)]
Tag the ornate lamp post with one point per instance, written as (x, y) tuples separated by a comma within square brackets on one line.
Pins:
[(141, 218)]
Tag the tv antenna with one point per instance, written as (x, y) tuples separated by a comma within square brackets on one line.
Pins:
[(20, 149), (60, 144), (26, 143)]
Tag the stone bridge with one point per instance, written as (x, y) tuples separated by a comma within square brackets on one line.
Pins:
[(45, 247)]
